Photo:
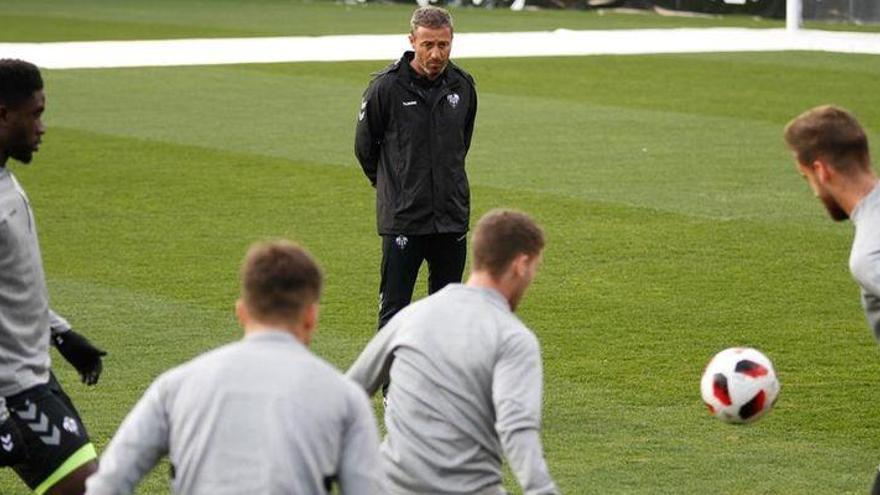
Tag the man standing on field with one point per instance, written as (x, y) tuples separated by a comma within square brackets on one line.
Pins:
[(41, 420), (466, 379), (831, 151), (414, 130)]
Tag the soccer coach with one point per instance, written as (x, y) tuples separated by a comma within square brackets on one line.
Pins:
[(413, 133)]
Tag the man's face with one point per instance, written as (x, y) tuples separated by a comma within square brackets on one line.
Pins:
[(834, 209), (432, 47), (21, 127)]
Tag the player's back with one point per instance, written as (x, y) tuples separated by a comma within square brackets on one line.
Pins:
[(864, 261), (263, 415), (441, 417)]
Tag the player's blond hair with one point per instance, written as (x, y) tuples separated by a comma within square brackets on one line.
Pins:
[(278, 280), (501, 236), (831, 133)]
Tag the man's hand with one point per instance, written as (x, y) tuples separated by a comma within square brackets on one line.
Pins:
[(79, 352), (12, 447)]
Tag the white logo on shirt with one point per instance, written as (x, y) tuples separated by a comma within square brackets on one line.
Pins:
[(70, 425), (453, 99), (410, 103), (6, 440)]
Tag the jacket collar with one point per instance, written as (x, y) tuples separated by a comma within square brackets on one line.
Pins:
[(404, 71)]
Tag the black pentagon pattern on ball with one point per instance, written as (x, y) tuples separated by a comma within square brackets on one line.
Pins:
[(753, 407), (750, 368)]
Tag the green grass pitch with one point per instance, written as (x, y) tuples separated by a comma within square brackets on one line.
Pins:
[(676, 224)]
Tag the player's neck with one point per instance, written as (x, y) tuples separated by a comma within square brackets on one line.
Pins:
[(296, 331), (484, 280), (856, 190)]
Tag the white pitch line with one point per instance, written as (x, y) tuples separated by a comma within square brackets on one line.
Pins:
[(213, 51)]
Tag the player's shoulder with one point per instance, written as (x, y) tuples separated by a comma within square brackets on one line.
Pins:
[(461, 73), (516, 335), (388, 73)]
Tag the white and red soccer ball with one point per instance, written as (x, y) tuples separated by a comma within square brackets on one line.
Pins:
[(739, 385)]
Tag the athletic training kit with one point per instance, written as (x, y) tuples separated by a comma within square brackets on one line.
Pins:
[(466, 388), (50, 427), (262, 415)]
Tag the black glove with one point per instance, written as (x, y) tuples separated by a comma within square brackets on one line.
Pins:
[(79, 352), (12, 447)]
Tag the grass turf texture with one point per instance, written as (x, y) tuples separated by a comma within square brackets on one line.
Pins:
[(58, 20), (677, 226)]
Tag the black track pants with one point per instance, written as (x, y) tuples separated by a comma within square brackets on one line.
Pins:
[(402, 257)]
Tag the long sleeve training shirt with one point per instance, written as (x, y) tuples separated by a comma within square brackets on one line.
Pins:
[(25, 317), (263, 416), (864, 260), (466, 387)]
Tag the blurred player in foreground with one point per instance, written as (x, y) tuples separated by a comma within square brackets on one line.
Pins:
[(831, 151), (466, 379), (262, 415), (41, 435)]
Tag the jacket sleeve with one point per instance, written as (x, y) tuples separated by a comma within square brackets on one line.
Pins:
[(371, 368), (517, 393), (135, 449), (370, 130), (359, 471), (471, 118)]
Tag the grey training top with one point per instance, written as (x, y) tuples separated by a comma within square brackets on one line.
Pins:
[(25, 316), (864, 259), (466, 386), (263, 415)]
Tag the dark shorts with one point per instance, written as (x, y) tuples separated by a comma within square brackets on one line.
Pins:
[(53, 432)]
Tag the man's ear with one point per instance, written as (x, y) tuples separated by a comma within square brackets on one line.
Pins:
[(310, 316), (521, 265), (241, 313), (824, 171)]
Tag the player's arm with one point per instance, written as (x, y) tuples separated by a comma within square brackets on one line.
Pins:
[(370, 131), (866, 269), (140, 442), (371, 368), (516, 393), (359, 469), (76, 349)]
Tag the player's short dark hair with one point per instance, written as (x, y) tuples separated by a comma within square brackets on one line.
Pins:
[(831, 133), (430, 17), (278, 280), (19, 80), (501, 236)]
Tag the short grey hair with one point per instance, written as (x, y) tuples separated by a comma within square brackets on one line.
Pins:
[(430, 17)]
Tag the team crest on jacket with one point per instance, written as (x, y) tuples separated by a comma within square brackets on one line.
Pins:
[(453, 99), (401, 241)]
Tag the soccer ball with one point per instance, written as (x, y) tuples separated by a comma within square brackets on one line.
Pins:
[(739, 385)]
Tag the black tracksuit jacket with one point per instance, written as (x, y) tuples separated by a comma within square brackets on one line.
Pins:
[(411, 143)]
